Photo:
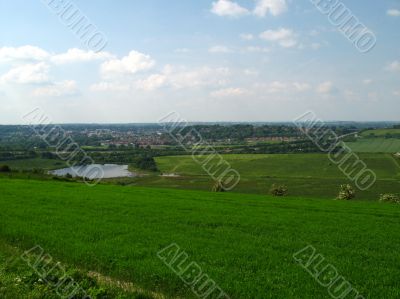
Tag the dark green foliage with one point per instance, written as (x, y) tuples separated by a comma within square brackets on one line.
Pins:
[(218, 187), (346, 192), (145, 163), (5, 168), (278, 190), (391, 198)]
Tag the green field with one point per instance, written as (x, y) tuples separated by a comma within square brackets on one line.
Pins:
[(244, 242), (311, 175), (380, 132), (375, 145)]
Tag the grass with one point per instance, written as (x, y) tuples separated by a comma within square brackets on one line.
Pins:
[(244, 242), (380, 132), (375, 145), (18, 279), (311, 175)]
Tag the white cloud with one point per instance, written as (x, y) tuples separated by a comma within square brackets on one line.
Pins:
[(175, 77), (197, 77), (78, 55), (24, 53), (325, 87), (396, 93), (109, 86), (27, 74), (274, 7), (301, 87), (182, 77), (128, 65), (251, 72), (57, 89), (152, 82), (394, 66), (253, 49), (284, 37), (247, 36), (367, 81), (393, 12), (228, 8), (219, 49), (272, 87), (229, 92)]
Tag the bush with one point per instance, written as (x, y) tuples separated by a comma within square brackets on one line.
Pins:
[(218, 187), (278, 190), (392, 198), (5, 168), (346, 192)]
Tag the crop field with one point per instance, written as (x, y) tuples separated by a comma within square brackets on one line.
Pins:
[(312, 175), (243, 242), (375, 145), (380, 132)]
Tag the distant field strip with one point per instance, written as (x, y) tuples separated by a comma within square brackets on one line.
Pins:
[(280, 165), (380, 132), (375, 145), (312, 175)]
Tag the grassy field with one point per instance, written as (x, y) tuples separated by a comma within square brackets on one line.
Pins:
[(375, 145), (311, 175), (244, 242), (380, 132)]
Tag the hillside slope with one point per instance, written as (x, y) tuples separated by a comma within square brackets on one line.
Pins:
[(244, 242)]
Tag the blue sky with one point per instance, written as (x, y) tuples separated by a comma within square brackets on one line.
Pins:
[(209, 60)]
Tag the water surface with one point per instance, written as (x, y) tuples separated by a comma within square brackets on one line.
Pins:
[(96, 171)]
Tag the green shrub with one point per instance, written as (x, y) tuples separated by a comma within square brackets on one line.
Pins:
[(392, 198), (278, 190), (346, 192), (218, 187)]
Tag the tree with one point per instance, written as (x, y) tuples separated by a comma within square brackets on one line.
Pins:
[(278, 190), (5, 168), (346, 192)]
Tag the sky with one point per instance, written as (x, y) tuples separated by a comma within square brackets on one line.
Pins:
[(208, 60)]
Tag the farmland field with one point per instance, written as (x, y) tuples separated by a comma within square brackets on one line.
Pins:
[(375, 145), (312, 175), (380, 132), (244, 242)]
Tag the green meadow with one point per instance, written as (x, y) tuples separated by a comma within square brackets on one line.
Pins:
[(375, 145), (244, 242), (380, 132), (311, 175)]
